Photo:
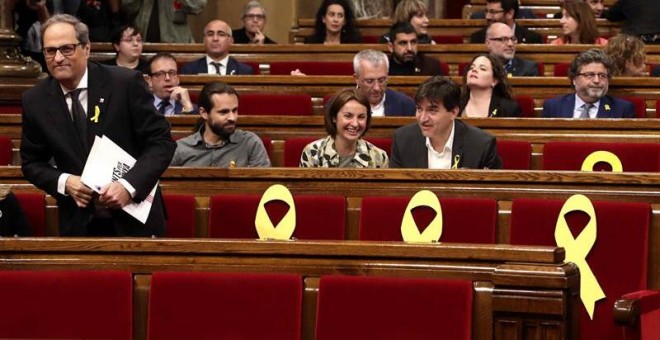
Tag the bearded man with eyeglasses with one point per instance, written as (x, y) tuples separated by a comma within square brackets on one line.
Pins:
[(62, 115), (501, 43), (505, 11), (590, 74)]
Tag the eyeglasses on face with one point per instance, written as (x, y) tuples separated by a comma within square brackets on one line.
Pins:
[(372, 82), (254, 16), (493, 11), (505, 40), (67, 50), (161, 74), (592, 75)]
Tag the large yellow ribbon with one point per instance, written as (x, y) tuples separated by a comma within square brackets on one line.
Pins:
[(410, 231), (578, 248), (602, 156), (262, 222)]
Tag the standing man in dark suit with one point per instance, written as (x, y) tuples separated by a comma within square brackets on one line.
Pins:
[(371, 69), (438, 140), (404, 58), (217, 40), (501, 43), (64, 112), (505, 11), (169, 97), (590, 75)]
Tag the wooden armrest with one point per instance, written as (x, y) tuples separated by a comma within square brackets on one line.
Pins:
[(629, 308)]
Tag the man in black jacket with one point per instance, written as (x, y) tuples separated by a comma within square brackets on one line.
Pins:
[(404, 58), (505, 11)]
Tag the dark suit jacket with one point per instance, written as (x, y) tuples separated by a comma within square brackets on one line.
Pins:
[(421, 66), (524, 35), (127, 117), (524, 68), (474, 148), (500, 107), (563, 106), (199, 66), (655, 72), (240, 37), (399, 104)]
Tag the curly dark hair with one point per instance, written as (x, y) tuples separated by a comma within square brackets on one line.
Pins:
[(350, 33), (502, 88)]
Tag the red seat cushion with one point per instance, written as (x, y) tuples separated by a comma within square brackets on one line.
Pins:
[(561, 69), (466, 220), (34, 208), (526, 103), (197, 305), (66, 304), (516, 155), (180, 215), (5, 150), (638, 157), (316, 68), (361, 307), (275, 104), (640, 105), (293, 148)]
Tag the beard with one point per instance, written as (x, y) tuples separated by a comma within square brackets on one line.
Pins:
[(223, 130)]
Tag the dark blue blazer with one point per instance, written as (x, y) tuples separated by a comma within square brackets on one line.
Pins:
[(199, 66), (563, 106), (655, 72), (398, 104)]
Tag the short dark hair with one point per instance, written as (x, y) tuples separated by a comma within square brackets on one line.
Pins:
[(439, 90), (337, 102), (400, 27), (593, 55), (161, 55), (214, 87), (118, 33), (507, 5)]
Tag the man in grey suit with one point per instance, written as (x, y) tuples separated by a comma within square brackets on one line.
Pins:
[(501, 42), (438, 140)]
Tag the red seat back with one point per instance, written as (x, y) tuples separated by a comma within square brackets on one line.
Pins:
[(34, 208), (196, 305), (383, 143), (526, 103), (637, 157), (516, 155), (621, 226), (321, 217), (254, 65), (448, 39), (11, 109), (363, 307), (316, 68), (640, 105), (370, 39), (293, 148), (268, 144), (561, 69), (5, 150), (466, 220), (180, 215), (275, 104), (66, 304)]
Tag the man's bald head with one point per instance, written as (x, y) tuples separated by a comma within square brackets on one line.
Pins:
[(501, 41)]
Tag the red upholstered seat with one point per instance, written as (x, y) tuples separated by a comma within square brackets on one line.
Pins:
[(362, 307), (638, 157), (66, 305), (254, 65), (312, 68), (526, 103), (318, 217), (34, 208), (275, 104), (370, 39), (657, 108), (618, 258), (383, 143), (516, 155), (640, 105), (268, 144), (293, 148), (198, 305), (561, 69), (180, 215), (465, 220), (11, 109), (448, 39), (5, 150)]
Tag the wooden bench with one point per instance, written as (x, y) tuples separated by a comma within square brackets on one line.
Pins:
[(503, 276)]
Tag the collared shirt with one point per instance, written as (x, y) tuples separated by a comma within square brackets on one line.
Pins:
[(211, 68), (322, 154), (241, 149), (442, 159), (169, 110), (379, 109), (577, 110)]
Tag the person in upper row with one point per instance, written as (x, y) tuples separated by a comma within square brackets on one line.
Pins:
[(13, 221), (415, 13), (347, 119), (597, 8), (505, 11), (169, 97), (335, 24), (486, 91), (501, 43), (371, 70), (404, 58), (254, 21), (628, 54), (217, 40), (127, 42), (578, 25), (590, 74), (438, 140)]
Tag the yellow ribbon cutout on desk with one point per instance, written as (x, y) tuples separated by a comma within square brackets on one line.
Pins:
[(602, 156), (262, 222), (410, 230), (578, 248)]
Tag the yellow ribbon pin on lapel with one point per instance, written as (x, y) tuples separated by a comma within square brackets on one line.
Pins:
[(284, 229), (578, 248), (97, 112), (457, 159), (602, 156), (410, 230)]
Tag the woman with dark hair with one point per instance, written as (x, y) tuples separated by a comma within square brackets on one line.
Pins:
[(486, 91), (127, 42), (335, 24), (415, 13), (628, 54), (578, 25), (347, 119)]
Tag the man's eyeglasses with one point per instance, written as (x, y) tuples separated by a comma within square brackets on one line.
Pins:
[(493, 11), (66, 50), (254, 16), (592, 75), (370, 81), (505, 40), (161, 74)]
